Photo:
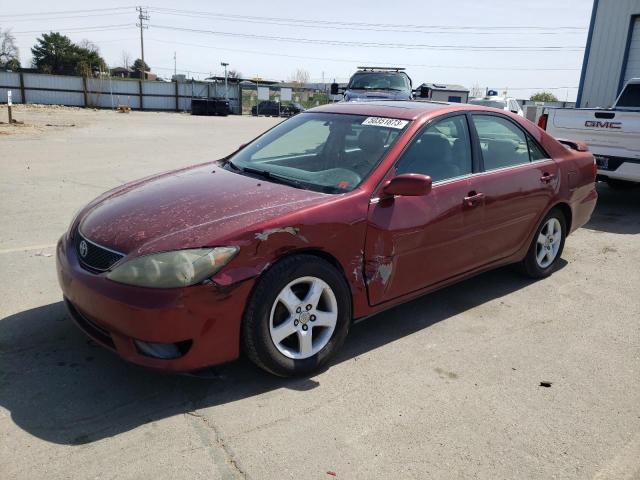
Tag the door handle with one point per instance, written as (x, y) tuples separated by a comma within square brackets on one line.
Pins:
[(547, 177), (473, 199)]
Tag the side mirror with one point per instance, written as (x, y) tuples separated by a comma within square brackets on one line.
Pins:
[(334, 89), (424, 91), (407, 185)]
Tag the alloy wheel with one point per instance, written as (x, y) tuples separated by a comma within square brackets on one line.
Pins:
[(548, 242), (303, 317)]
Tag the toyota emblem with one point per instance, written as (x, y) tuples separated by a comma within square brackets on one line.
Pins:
[(83, 248)]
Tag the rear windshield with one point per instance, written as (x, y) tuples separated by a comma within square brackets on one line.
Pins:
[(488, 103), (379, 81), (325, 152), (630, 96)]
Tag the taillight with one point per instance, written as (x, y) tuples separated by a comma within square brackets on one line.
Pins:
[(542, 121)]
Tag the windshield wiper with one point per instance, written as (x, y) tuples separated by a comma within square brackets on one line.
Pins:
[(233, 165), (272, 176)]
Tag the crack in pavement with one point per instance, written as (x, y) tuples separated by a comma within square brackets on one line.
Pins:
[(234, 471)]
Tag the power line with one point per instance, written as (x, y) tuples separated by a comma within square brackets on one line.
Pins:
[(433, 30), (363, 24), (405, 46), (79, 29), (360, 61), (62, 12), (70, 16)]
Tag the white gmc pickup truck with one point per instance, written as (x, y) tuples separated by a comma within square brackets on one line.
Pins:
[(612, 134)]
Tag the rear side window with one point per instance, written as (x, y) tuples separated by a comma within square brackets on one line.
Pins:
[(630, 96), (502, 143), (442, 151)]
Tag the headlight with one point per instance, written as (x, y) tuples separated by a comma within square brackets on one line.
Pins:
[(179, 268)]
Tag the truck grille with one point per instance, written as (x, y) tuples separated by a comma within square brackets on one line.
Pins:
[(94, 257)]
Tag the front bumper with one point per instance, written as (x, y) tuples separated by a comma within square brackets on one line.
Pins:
[(204, 317)]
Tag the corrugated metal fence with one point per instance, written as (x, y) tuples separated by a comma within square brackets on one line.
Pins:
[(109, 92)]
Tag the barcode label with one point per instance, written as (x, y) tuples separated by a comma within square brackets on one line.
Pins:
[(386, 122)]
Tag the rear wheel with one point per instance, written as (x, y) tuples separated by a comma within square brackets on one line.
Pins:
[(546, 247), (298, 316)]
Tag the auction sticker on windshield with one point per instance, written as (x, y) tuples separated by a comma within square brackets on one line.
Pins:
[(386, 122)]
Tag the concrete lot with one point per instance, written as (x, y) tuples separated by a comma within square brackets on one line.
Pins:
[(447, 386)]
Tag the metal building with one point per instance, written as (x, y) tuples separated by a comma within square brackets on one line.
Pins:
[(446, 93), (612, 54)]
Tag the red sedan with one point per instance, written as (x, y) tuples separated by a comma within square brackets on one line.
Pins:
[(336, 214)]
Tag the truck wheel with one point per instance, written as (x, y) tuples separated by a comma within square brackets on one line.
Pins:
[(298, 316), (616, 184), (546, 246)]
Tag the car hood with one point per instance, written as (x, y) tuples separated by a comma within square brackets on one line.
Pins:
[(188, 208), (372, 95)]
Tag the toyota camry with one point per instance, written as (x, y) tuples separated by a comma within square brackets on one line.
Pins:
[(331, 216)]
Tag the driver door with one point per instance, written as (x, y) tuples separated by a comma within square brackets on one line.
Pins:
[(415, 242)]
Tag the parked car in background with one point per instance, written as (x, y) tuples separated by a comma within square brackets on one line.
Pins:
[(376, 83), (335, 214), (270, 108), (613, 134), (291, 109), (503, 103)]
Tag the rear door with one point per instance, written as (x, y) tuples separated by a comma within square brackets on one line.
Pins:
[(518, 182)]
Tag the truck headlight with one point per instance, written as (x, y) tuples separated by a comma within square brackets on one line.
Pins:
[(179, 268)]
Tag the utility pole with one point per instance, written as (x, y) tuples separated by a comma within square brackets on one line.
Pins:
[(175, 71), (142, 16), (226, 88)]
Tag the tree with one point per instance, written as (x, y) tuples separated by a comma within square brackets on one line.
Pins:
[(126, 59), (56, 53), (139, 65), (89, 59), (9, 55), (300, 76), (234, 74), (543, 97)]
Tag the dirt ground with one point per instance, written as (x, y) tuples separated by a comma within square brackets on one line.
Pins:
[(447, 386)]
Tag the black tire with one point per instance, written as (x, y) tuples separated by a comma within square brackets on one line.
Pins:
[(529, 266), (256, 337), (621, 185)]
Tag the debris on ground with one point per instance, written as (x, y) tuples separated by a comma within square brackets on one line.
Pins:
[(546, 384)]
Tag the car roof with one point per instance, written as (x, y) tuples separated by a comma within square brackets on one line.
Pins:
[(403, 109)]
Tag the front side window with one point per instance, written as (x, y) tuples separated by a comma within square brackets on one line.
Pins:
[(326, 152), (502, 143), (442, 151)]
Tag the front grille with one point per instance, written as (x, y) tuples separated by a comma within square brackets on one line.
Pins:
[(94, 257)]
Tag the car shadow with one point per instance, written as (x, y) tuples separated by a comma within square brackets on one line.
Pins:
[(617, 211), (63, 388)]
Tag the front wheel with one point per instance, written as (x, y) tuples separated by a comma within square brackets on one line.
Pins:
[(298, 316), (546, 247)]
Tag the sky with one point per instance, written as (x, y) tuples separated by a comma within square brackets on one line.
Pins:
[(520, 46)]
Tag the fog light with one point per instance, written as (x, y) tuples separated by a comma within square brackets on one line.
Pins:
[(164, 351)]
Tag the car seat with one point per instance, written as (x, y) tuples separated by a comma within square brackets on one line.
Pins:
[(431, 155)]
